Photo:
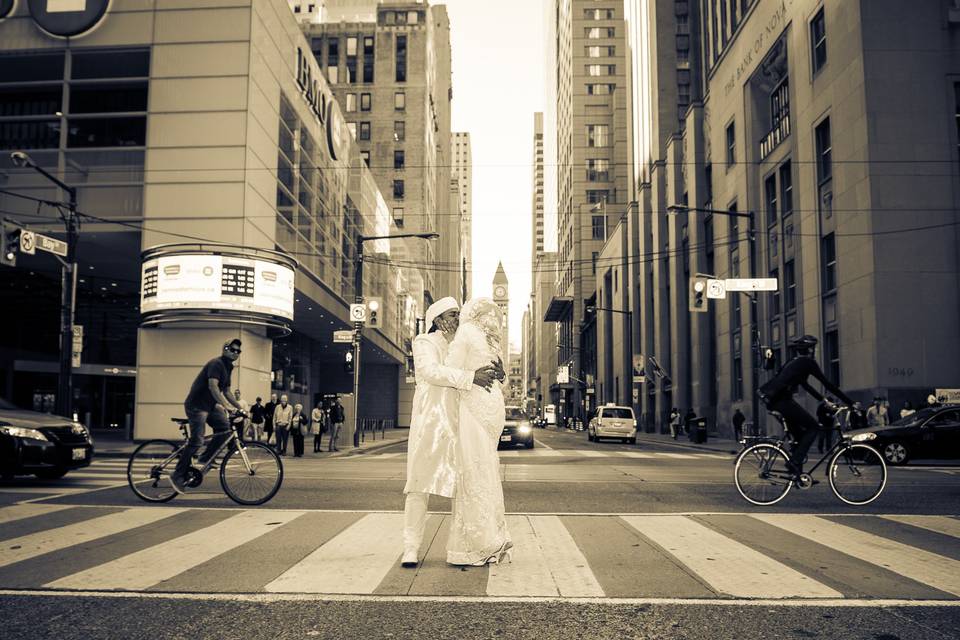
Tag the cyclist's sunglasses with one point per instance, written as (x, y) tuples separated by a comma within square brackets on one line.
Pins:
[(233, 350)]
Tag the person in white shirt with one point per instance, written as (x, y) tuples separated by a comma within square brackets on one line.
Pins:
[(282, 417)]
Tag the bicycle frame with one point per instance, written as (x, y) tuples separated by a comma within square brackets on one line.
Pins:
[(209, 463), (842, 441)]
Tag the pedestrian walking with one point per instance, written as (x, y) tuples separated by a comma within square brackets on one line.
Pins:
[(282, 419), (241, 422), (268, 410), (675, 422), (857, 419), (907, 410), (825, 417), (738, 420), (257, 412), (299, 424), (877, 415), (336, 423), (318, 424)]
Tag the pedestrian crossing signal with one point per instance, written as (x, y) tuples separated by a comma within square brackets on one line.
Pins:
[(698, 294), (348, 362)]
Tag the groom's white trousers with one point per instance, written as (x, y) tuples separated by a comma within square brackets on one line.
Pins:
[(414, 519)]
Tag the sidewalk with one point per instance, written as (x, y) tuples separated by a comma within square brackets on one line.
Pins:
[(112, 443)]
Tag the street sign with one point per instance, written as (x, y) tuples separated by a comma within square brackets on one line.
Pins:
[(51, 245), (638, 371), (716, 290), (28, 242), (358, 312), (77, 345), (751, 284), (345, 336), (77, 331), (563, 375)]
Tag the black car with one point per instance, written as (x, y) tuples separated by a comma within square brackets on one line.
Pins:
[(932, 432), (516, 429), (41, 444)]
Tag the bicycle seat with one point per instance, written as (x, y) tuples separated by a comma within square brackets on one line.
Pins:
[(180, 421)]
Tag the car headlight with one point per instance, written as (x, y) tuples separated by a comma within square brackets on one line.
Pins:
[(22, 432), (864, 437), (524, 428), (81, 430)]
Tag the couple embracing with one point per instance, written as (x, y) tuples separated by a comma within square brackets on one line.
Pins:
[(458, 415)]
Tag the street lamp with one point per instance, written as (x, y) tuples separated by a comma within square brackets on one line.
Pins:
[(358, 326), (68, 285), (754, 321), (629, 314)]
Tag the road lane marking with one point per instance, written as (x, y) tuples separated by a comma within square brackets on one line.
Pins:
[(937, 524), (681, 456), (529, 572), (35, 544), (354, 561), (148, 567), (725, 564), (13, 512), (569, 567), (589, 453), (925, 567), (635, 454), (541, 443)]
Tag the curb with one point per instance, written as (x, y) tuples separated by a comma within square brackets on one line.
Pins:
[(695, 447)]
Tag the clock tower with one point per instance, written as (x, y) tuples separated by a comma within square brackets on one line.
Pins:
[(502, 298)]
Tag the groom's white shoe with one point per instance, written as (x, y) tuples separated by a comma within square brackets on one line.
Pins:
[(409, 559)]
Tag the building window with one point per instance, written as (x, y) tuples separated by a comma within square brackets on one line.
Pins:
[(365, 156), (786, 189), (737, 377), (398, 159), (775, 294), (352, 128), (818, 41), (593, 261), (956, 94), (734, 245), (368, 59), (364, 130), (401, 75), (831, 356), (333, 59), (731, 145), (595, 33), (597, 70), (779, 118), (351, 102), (789, 286), (398, 216), (599, 14), (399, 131), (398, 189), (598, 170), (824, 151), (600, 89), (770, 196), (399, 101), (599, 227), (595, 196), (598, 135), (828, 263), (352, 46), (599, 52), (366, 101)]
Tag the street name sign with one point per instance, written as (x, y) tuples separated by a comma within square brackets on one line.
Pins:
[(51, 245), (345, 336), (751, 284)]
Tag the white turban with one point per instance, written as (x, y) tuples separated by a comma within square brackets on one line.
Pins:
[(440, 306)]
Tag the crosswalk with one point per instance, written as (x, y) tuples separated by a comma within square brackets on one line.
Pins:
[(102, 473), (287, 551), (511, 454)]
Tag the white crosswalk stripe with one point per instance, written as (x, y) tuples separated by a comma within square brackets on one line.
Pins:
[(553, 556), (99, 475)]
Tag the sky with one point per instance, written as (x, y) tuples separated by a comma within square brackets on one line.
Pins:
[(498, 84)]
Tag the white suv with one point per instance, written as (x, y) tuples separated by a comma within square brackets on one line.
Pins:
[(612, 421)]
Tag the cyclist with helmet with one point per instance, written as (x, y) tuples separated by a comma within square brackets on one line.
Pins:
[(778, 393)]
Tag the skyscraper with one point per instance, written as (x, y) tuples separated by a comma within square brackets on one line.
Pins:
[(463, 174), (388, 64), (537, 234), (501, 295), (592, 180)]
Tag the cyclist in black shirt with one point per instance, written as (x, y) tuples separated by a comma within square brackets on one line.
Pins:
[(206, 404), (777, 394)]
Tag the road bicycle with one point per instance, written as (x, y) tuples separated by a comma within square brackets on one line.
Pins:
[(856, 471), (250, 472)]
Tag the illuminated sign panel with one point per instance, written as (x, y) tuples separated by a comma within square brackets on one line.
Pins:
[(197, 282)]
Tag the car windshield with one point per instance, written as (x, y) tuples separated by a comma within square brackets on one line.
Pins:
[(919, 416), (617, 413), (515, 413)]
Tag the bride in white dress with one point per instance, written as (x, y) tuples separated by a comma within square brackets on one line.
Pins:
[(478, 534)]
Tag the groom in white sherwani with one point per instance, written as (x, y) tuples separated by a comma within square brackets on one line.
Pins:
[(432, 447)]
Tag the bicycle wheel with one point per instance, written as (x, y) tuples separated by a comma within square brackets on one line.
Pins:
[(254, 484), (858, 474), (761, 474), (149, 469)]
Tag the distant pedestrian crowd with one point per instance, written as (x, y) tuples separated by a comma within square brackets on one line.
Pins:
[(278, 422)]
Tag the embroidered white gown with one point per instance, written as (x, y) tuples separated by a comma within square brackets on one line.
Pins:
[(479, 527)]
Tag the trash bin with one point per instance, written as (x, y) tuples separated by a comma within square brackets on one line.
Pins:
[(699, 431)]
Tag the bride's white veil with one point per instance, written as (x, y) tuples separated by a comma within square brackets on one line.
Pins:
[(487, 316)]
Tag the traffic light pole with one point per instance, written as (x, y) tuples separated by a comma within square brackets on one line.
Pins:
[(754, 326), (357, 338), (68, 301)]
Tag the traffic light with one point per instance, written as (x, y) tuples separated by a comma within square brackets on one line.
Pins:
[(698, 294), (348, 362), (10, 242), (374, 313)]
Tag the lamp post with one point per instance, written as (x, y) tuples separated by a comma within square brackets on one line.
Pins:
[(68, 286), (754, 319), (358, 326), (629, 315)]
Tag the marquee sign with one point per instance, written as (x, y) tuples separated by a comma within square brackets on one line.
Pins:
[(322, 103), (66, 18)]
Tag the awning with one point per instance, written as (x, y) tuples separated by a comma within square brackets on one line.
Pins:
[(559, 307)]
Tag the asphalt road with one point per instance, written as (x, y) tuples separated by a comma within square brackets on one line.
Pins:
[(83, 558)]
